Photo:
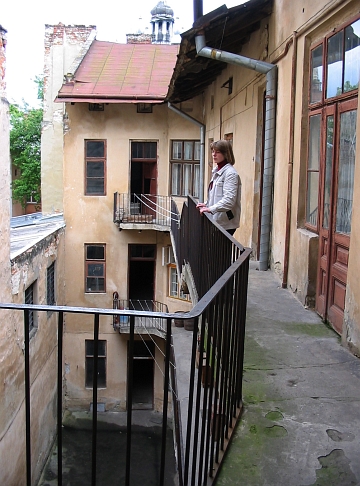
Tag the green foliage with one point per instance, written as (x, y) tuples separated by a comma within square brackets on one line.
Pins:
[(25, 143)]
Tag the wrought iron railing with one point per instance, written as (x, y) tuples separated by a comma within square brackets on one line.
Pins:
[(142, 209), (142, 323), (213, 402)]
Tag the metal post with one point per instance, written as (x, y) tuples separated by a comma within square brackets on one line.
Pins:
[(95, 386), (165, 401), (59, 395), (27, 395), (129, 399)]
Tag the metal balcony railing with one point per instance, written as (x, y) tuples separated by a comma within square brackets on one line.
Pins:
[(143, 323), (143, 209), (205, 418)]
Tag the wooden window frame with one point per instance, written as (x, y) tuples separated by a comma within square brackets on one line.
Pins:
[(321, 107), (89, 160), (91, 261), (182, 161)]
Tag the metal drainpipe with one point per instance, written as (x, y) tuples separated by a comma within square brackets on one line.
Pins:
[(269, 145), (202, 147)]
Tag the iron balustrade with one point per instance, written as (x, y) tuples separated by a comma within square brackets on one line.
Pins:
[(122, 323), (142, 209), (220, 267)]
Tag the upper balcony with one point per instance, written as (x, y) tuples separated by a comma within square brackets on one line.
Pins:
[(143, 211)]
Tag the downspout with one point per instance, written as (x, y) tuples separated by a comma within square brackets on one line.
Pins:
[(270, 70), (290, 163), (202, 147)]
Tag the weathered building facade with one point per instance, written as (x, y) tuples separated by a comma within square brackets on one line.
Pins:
[(298, 161), (109, 132), (30, 263)]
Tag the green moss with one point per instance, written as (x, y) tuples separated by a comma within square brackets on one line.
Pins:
[(313, 330)]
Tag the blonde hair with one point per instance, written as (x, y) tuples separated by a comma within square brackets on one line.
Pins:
[(225, 148)]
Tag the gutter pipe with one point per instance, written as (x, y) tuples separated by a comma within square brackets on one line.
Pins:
[(202, 147), (270, 70)]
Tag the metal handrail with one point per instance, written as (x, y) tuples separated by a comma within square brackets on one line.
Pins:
[(214, 397)]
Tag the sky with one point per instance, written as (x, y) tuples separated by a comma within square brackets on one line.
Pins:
[(25, 22)]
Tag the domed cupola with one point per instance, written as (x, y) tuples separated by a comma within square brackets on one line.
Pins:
[(162, 19)]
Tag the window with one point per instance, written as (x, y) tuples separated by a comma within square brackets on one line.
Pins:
[(30, 295), (185, 167), (313, 170), (95, 263), (95, 167), (334, 82), (335, 64), (50, 285), (174, 285), (89, 363)]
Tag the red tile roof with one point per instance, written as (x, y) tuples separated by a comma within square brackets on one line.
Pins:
[(122, 73)]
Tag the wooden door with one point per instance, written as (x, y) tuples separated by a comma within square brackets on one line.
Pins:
[(338, 164)]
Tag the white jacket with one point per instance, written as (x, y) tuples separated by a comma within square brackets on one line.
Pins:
[(224, 196)]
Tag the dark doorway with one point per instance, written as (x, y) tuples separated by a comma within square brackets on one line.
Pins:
[(143, 375), (141, 272)]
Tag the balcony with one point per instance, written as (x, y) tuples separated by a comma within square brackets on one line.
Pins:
[(143, 324), (206, 397), (143, 211)]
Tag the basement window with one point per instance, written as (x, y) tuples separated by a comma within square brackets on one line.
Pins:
[(89, 363)]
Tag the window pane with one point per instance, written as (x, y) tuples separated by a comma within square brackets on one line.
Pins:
[(148, 251), (95, 169), (196, 188), (173, 282), (352, 56), (176, 179), (188, 150), (316, 75), (328, 170), (177, 150), (312, 198), (95, 269), (197, 151), (346, 171), (314, 143), (187, 179), (94, 284), (334, 65), (149, 150), (95, 186), (95, 252), (95, 149)]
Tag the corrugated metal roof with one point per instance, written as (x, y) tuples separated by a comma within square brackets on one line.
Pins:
[(114, 73)]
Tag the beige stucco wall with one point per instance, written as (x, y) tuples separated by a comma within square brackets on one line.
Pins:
[(90, 220)]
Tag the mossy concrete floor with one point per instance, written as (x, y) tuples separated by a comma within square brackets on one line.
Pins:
[(301, 393)]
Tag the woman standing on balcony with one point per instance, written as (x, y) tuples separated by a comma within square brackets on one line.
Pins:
[(224, 193)]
